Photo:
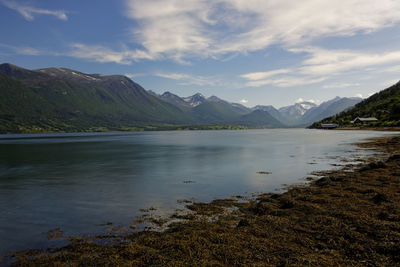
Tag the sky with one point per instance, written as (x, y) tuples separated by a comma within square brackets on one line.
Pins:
[(254, 52)]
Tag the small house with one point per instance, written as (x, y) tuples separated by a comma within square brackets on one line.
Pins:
[(329, 125), (364, 120)]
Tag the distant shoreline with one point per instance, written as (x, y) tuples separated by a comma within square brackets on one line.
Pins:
[(148, 128), (348, 216), (194, 128)]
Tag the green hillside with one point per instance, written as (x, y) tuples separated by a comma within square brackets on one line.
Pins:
[(53, 103), (385, 106), (259, 118), (214, 113)]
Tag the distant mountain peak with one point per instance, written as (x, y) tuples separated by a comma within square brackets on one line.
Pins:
[(18, 72), (195, 99), (8, 68), (166, 94), (170, 96), (152, 93), (298, 108), (199, 95), (306, 105), (214, 98)]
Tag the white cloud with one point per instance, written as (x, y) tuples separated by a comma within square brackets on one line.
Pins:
[(287, 81), (301, 100), (322, 64), (367, 95), (262, 75), (244, 101), (27, 50), (187, 79), (22, 50), (330, 62), (180, 30), (210, 28), (103, 54), (29, 12), (341, 85), (134, 75), (95, 53)]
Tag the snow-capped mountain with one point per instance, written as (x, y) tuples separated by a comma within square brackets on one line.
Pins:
[(291, 115), (305, 113), (195, 99), (297, 109)]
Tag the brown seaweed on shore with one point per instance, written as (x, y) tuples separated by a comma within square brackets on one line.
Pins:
[(345, 218), (54, 234)]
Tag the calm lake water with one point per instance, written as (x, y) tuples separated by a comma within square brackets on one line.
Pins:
[(78, 181)]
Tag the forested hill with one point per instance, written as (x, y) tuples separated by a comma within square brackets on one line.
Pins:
[(385, 106)]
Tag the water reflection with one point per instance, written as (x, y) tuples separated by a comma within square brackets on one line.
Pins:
[(77, 181)]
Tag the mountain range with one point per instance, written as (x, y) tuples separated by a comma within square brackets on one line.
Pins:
[(305, 113), (61, 99), (297, 115)]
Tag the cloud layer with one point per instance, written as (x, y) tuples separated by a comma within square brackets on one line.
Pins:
[(321, 64), (103, 54), (210, 28), (188, 79)]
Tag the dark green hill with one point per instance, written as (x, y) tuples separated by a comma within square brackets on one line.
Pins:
[(214, 113), (259, 118), (211, 110), (46, 101), (385, 106), (221, 113)]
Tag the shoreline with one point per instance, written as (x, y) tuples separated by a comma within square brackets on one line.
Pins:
[(180, 128), (388, 129), (140, 128), (350, 216)]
